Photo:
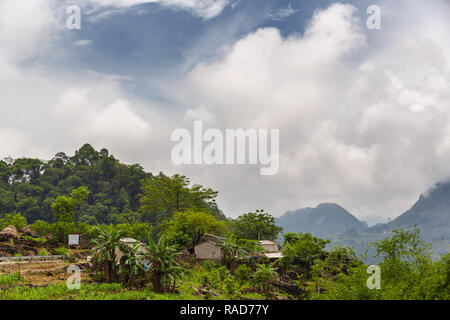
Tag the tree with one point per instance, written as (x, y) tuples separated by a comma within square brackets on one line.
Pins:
[(163, 196), (251, 249), (303, 248), (407, 272), (232, 251), (189, 226), (42, 228), (50, 190), (163, 264), (17, 220), (256, 226), (136, 230), (64, 206)]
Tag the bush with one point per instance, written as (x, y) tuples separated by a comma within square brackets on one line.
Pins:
[(303, 248), (209, 265), (243, 274), (17, 220), (11, 278), (230, 285), (43, 252), (42, 228), (62, 251)]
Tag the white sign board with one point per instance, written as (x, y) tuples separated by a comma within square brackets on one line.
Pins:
[(74, 239)]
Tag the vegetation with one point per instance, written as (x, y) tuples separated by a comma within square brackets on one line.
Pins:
[(257, 226), (105, 251), (264, 276), (186, 228), (164, 267)]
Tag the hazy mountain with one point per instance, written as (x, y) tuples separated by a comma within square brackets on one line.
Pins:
[(431, 213), (327, 220)]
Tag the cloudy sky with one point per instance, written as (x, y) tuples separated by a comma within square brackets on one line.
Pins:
[(364, 115)]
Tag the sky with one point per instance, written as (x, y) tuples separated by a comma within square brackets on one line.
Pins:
[(363, 115)]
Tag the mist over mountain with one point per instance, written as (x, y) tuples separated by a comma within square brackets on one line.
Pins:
[(327, 220), (430, 213)]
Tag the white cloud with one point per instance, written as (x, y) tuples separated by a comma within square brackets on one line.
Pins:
[(206, 9), (82, 43), (362, 122), (25, 28), (282, 13)]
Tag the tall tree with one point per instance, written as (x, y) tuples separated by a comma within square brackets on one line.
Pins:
[(163, 195), (189, 226), (257, 225)]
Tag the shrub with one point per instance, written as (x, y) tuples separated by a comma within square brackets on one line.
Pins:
[(11, 278), (43, 252), (209, 265), (42, 228), (17, 220), (230, 285), (243, 273), (62, 251)]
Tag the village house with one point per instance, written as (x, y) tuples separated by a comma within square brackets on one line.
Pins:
[(272, 249), (209, 248)]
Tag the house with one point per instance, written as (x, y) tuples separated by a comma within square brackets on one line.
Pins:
[(271, 248), (209, 248)]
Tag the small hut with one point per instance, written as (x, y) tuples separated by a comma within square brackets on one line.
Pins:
[(272, 249)]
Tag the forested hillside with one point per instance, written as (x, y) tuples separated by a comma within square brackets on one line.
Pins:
[(30, 187)]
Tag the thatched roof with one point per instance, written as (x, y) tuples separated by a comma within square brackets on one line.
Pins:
[(10, 232)]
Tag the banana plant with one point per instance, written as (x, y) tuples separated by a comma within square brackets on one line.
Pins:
[(104, 251), (164, 266)]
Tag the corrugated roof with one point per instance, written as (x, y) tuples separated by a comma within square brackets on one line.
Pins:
[(267, 242), (273, 255)]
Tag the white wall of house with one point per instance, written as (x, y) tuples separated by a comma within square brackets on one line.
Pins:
[(208, 251), (269, 246)]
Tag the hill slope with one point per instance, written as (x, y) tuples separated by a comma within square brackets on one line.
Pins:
[(431, 213), (327, 220)]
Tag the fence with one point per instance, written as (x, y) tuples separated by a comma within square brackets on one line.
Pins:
[(54, 257)]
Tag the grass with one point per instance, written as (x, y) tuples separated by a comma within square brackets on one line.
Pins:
[(10, 279), (88, 291), (202, 282), (43, 252)]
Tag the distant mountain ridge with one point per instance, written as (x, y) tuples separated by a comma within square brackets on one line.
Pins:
[(327, 220), (431, 213)]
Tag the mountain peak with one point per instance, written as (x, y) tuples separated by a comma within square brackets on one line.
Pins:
[(327, 220)]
